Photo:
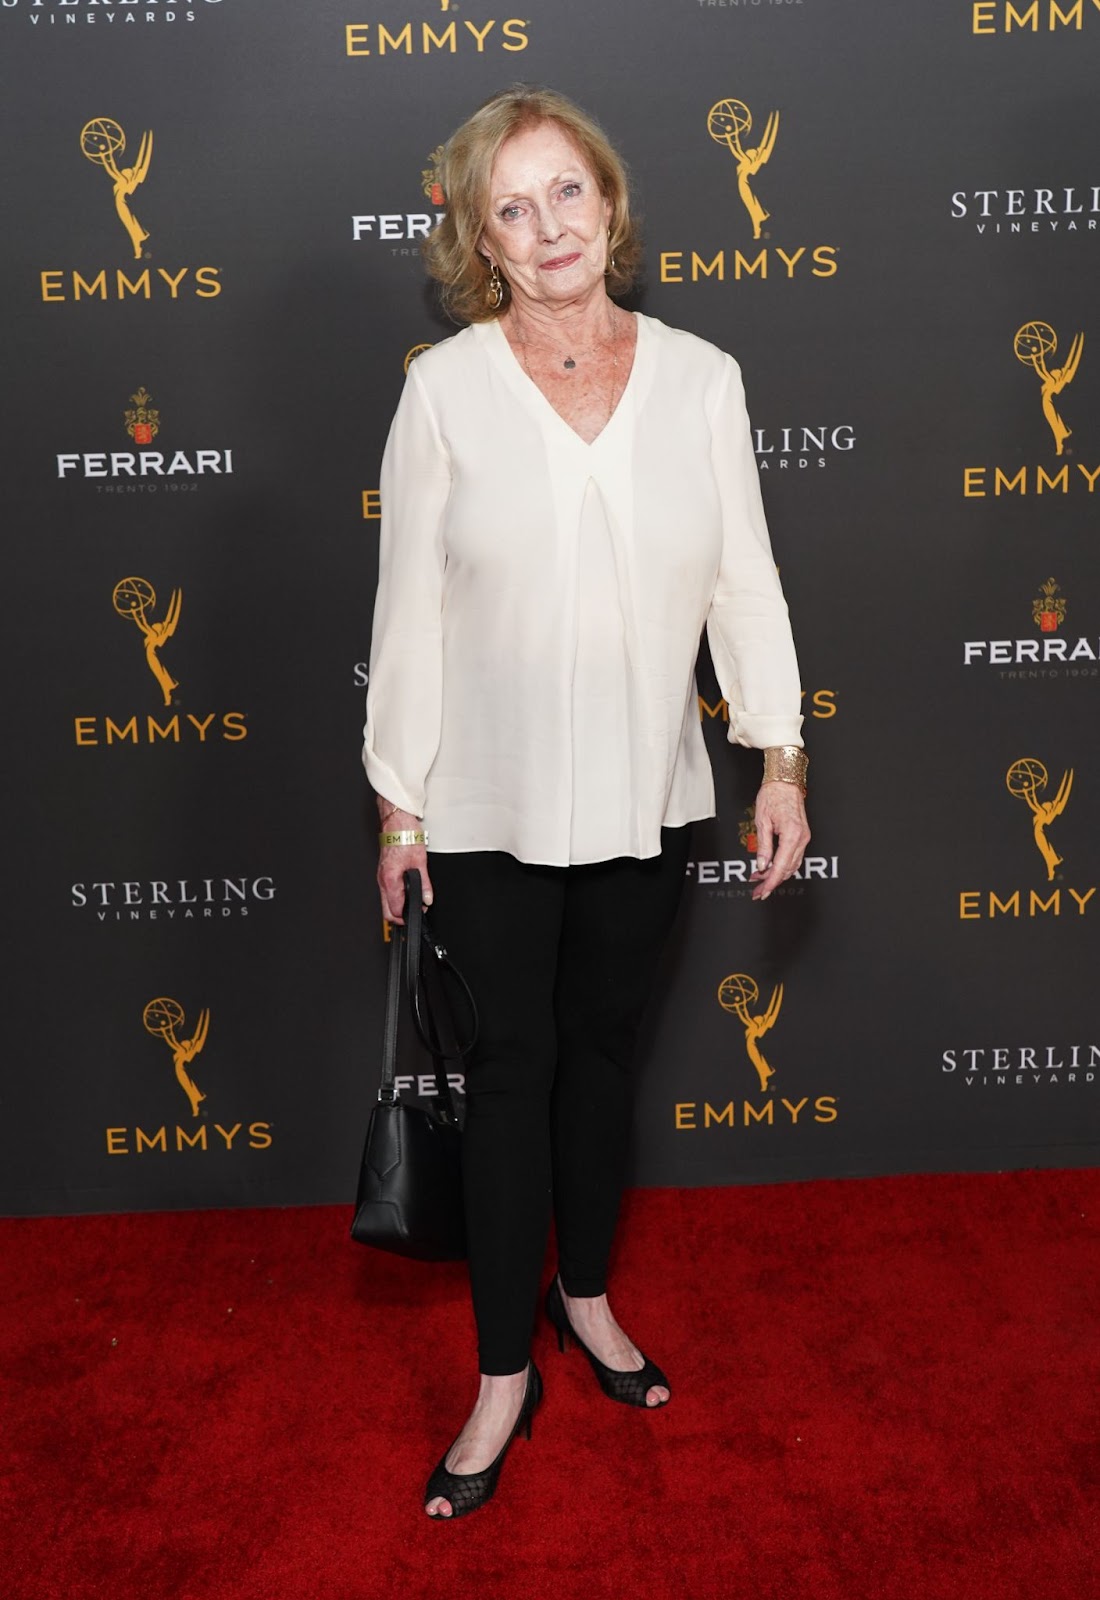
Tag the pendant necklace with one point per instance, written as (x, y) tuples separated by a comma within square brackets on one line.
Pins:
[(569, 362)]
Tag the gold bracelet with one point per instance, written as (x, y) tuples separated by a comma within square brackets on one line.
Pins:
[(386, 815), (786, 763), (404, 836)]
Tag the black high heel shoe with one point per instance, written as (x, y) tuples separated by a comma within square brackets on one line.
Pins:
[(468, 1491), (630, 1388)]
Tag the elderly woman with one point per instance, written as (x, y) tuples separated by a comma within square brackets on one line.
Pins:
[(569, 495)]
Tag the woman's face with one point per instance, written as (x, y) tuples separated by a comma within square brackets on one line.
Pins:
[(547, 222)]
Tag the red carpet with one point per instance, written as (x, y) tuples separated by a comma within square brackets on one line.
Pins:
[(883, 1389)]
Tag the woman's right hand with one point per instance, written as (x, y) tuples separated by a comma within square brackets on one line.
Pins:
[(394, 860)]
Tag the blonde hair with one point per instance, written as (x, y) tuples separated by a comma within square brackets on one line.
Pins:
[(452, 253)]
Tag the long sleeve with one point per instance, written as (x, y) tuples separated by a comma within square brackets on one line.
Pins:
[(540, 601), (748, 626), (405, 676)]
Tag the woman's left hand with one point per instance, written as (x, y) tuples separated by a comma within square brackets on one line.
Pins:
[(782, 834)]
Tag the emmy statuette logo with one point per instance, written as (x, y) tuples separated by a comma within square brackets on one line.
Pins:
[(727, 121), (135, 598), (198, 1135), (1033, 343), (1029, 781), (1025, 780), (738, 994), (164, 1019), (101, 140)]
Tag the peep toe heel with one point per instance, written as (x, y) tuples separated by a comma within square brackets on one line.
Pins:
[(469, 1491), (630, 1388)]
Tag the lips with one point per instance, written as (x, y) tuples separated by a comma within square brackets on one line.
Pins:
[(557, 262)]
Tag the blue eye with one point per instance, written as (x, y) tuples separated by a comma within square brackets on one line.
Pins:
[(509, 213), (571, 189)]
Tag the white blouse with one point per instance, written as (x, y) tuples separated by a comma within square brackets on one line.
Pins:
[(541, 600)]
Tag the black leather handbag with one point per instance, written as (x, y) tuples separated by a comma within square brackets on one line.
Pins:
[(409, 1199)]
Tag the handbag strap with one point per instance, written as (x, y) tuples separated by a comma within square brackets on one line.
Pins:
[(425, 963), (387, 1090), (424, 952)]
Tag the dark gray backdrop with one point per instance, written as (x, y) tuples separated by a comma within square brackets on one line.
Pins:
[(268, 139)]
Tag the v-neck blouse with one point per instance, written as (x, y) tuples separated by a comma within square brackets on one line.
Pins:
[(541, 600), (529, 393)]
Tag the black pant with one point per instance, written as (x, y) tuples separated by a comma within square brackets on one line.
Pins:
[(561, 961)]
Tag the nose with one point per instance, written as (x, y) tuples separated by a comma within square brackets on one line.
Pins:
[(550, 229)]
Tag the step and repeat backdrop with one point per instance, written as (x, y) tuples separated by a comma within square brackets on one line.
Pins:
[(890, 214)]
